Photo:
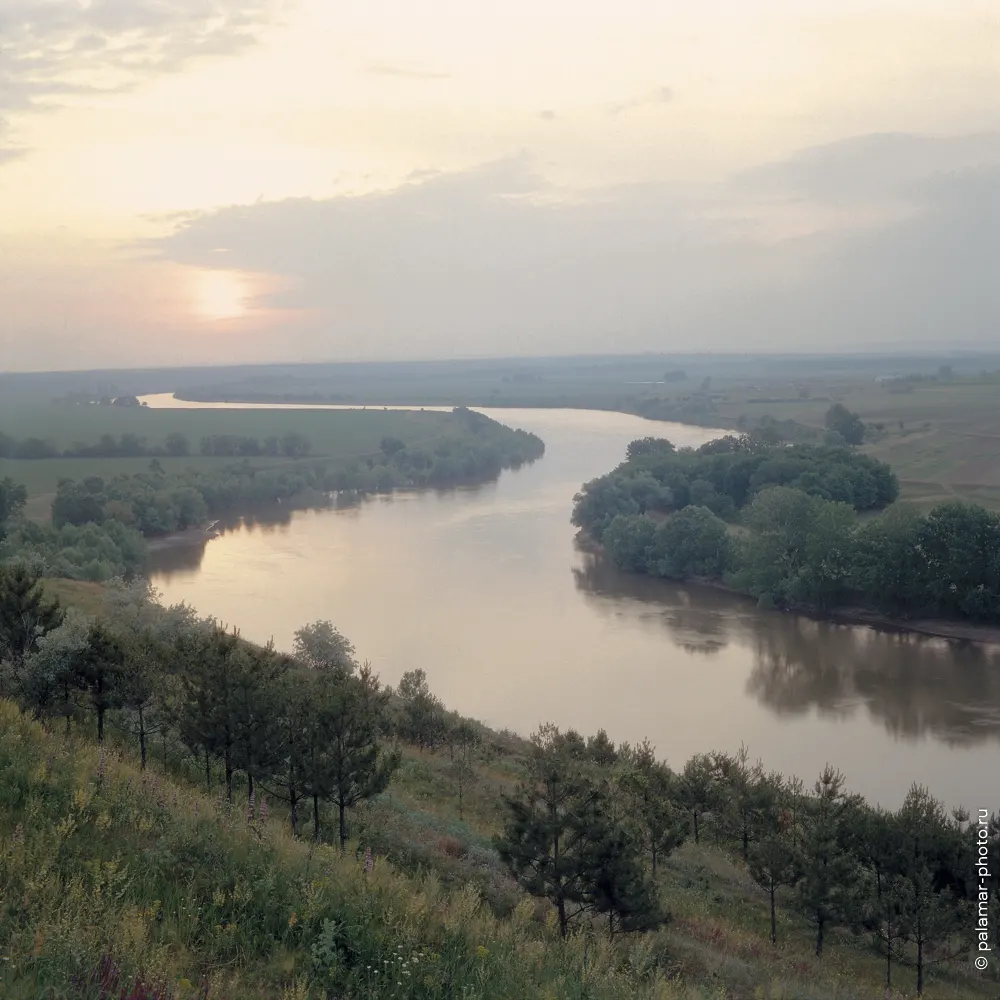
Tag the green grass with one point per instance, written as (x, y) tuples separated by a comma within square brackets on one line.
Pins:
[(335, 436), (948, 446), (332, 433), (87, 597)]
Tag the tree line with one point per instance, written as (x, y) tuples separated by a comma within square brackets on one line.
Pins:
[(797, 549), (310, 729), (590, 823), (98, 524), (724, 476)]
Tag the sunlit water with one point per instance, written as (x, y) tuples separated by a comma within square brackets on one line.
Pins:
[(486, 590)]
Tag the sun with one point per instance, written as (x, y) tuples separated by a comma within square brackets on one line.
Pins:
[(220, 295)]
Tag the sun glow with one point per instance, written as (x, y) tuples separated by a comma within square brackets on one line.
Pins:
[(220, 295)]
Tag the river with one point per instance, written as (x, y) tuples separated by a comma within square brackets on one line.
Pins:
[(487, 591)]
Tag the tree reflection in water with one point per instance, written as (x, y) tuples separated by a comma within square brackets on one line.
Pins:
[(915, 685)]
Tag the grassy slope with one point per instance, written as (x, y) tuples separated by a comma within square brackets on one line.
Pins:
[(178, 886), (242, 904)]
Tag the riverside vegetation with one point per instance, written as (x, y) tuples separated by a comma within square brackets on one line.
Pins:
[(99, 523), (185, 814), (781, 523)]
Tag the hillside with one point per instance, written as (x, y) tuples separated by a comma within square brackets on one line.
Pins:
[(132, 884)]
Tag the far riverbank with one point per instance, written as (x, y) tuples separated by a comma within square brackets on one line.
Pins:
[(937, 628)]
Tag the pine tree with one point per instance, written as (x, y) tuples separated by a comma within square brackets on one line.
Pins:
[(346, 764), (547, 843), (98, 670), (827, 872), (884, 914), (935, 861), (422, 714), (616, 884), (695, 790), (463, 738), (771, 866), (928, 916), (150, 635), (257, 728), (144, 686), (650, 787), (601, 750), (207, 715), (25, 615), (874, 837), (13, 497), (295, 707), (748, 798), (562, 841)]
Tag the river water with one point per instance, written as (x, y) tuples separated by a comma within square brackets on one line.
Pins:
[(487, 591)]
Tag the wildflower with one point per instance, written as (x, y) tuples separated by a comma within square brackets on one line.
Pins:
[(250, 809), (482, 951), (263, 809), (369, 863), (18, 835), (100, 767), (293, 920)]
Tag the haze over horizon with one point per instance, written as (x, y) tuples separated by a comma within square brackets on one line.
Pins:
[(251, 181)]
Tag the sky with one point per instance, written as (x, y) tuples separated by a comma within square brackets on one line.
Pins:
[(236, 181)]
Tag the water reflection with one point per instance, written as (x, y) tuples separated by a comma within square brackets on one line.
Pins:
[(915, 686), (176, 560), (696, 619)]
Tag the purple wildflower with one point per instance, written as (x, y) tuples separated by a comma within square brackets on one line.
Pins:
[(263, 809), (369, 862), (100, 767), (18, 835), (250, 809)]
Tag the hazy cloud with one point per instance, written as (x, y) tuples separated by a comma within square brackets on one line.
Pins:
[(893, 164), (547, 115), (405, 72), (662, 95), (52, 50), (498, 258)]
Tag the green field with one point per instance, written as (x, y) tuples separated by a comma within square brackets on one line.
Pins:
[(942, 438), (335, 436), (332, 433)]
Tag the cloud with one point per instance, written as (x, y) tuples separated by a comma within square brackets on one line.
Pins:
[(547, 115), (883, 165), (496, 260), (662, 95), (54, 50), (405, 72)]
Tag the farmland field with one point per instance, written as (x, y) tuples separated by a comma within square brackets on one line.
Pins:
[(334, 436)]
